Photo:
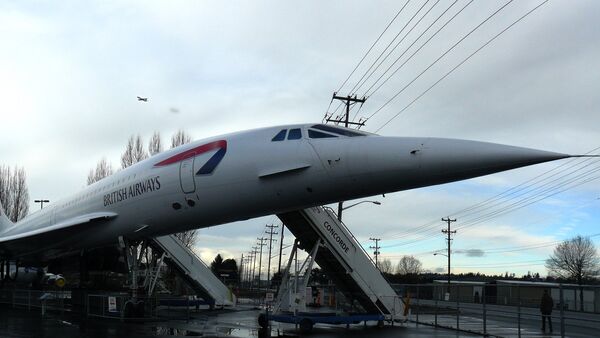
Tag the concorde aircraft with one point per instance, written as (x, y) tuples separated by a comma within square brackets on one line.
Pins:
[(250, 174)]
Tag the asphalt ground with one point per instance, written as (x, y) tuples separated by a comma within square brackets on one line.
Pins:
[(23, 323)]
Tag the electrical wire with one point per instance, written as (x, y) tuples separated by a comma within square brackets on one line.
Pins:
[(361, 83), (453, 69), (373, 45), (367, 92), (389, 44)]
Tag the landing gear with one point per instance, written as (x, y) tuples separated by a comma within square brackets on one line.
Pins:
[(306, 325), (134, 253), (262, 321), (134, 309)]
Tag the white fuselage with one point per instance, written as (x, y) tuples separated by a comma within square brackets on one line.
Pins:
[(248, 174)]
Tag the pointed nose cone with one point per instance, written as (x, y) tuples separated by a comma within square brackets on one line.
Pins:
[(452, 160)]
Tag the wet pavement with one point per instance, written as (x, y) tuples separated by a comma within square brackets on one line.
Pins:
[(220, 323)]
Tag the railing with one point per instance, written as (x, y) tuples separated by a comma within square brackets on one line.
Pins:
[(52, 300), (332, 212), (503, 310), (122, 306), (333, 216)]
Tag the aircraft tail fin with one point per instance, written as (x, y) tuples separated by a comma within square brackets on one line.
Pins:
[(4, 221)]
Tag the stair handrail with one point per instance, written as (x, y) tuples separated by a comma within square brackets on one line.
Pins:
[(188, 250), (330, 210)]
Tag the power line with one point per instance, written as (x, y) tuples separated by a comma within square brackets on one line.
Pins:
[(359, 84), (487, 203), (546, 193), (455, 67), (371, 48), (388, 46), (559, 188), (418, 49), (442, 56)]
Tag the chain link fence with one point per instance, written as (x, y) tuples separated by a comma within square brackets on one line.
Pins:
[(504, 308)]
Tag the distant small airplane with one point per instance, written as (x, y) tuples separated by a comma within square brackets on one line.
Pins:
[(145, 99)]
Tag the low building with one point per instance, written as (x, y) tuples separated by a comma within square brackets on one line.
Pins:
[(510, 292), (463, 291)]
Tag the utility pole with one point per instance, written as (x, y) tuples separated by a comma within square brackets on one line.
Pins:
[(262, 242), (41, 202), (280, 249), (254, 252), (241, 270), (348, 101), (449, 239), (270, 232), (376, 252), (249, 270)]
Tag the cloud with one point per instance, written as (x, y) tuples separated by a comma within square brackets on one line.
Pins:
[(70, 74), (471, 252)]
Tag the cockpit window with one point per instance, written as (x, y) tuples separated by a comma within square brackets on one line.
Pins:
[(338, 130), (280, 136), (295, 134), (318, 134)]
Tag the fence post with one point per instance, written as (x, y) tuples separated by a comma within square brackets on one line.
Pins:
[(393, 312), (484, 310), (436, 309), (457, 306), (418, 306), (519, 309), (562, 311)]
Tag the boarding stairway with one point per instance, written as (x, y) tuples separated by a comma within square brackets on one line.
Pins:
[(194, 271), (343, 259)]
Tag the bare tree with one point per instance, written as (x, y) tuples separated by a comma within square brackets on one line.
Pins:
[(187, 237), (134, 152), (155, 145), (385, 266), (179, 138), (575, 259), (103, 169), (5, 199), (409, 265), (19, 195)]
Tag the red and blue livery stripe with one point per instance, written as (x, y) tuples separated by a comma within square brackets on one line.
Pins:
[(209, 166)]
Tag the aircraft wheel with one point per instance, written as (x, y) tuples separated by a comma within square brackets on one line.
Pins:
[(262, 320), (380, 323), (306, 325), (128, 309), (139, 309)]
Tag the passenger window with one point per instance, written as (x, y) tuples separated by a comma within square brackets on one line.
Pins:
[(318, 134), (295, 134), (280, 136)]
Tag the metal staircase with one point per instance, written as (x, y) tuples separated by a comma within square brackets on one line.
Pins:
[(194, 271), (343, 259)]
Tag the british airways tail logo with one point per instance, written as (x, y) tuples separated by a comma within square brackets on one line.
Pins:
[(209, 166)]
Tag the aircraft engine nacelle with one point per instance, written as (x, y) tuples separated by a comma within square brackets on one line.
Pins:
[(26, 275), (54, 280)]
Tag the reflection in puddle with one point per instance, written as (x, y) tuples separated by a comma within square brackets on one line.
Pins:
[(204, 331)]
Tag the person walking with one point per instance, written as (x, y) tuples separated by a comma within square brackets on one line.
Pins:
[(546, 306)]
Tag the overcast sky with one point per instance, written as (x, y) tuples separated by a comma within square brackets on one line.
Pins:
[(70, 74)]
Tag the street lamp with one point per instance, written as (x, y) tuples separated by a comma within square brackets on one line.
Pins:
[(41, 202), (340, 208)]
